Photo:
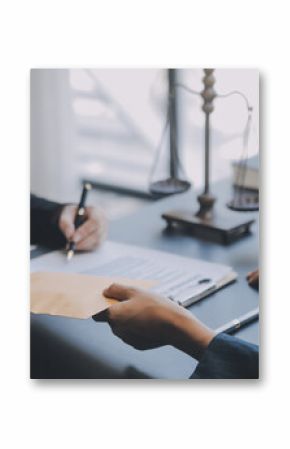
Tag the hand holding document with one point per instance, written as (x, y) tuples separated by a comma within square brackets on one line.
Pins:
[(73, 295), (75, 288)]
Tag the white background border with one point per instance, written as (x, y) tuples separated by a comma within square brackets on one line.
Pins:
[(148, 414)]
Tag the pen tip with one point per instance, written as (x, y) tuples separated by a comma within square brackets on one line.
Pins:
[(70, 253)]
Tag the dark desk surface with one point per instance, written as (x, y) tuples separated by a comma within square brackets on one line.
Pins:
[(70, 348)]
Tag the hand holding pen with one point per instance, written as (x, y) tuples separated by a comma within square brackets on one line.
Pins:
[(84, 227)]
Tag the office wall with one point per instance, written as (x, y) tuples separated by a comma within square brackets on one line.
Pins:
[(108, 122), (52, 134)]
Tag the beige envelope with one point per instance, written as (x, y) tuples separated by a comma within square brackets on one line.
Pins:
[(73, 295)]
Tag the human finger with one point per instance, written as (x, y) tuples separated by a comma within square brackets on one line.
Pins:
[(87, 228), (66, 221), (119, 292)]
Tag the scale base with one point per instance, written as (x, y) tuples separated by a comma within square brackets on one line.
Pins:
[(223, 229)]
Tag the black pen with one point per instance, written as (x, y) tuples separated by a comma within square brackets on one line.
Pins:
[(236, 324), (79, 218)]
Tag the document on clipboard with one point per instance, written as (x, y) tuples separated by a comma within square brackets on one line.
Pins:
[(182, 279)]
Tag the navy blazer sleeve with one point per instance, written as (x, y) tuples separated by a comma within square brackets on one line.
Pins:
[(228, 358), (44, 228)]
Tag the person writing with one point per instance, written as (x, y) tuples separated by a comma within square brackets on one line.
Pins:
[(52, 225), (145, 321)]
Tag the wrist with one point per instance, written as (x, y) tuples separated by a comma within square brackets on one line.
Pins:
[(190, 335)]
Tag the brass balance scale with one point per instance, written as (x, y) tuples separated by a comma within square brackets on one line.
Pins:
[(209, 221)]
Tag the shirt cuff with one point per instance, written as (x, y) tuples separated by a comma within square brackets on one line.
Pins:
[(228, 357)]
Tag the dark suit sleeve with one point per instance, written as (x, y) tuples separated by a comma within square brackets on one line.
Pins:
[(44, 228), (228, 358)]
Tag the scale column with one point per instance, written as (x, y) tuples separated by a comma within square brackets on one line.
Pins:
[(206, 200)]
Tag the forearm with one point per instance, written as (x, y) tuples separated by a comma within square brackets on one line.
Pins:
[(190, 335), (220, 356)]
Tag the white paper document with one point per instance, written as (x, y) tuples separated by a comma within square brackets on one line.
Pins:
[(182, 279)]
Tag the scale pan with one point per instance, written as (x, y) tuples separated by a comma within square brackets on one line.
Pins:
[(169, 186), (243, 206)]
